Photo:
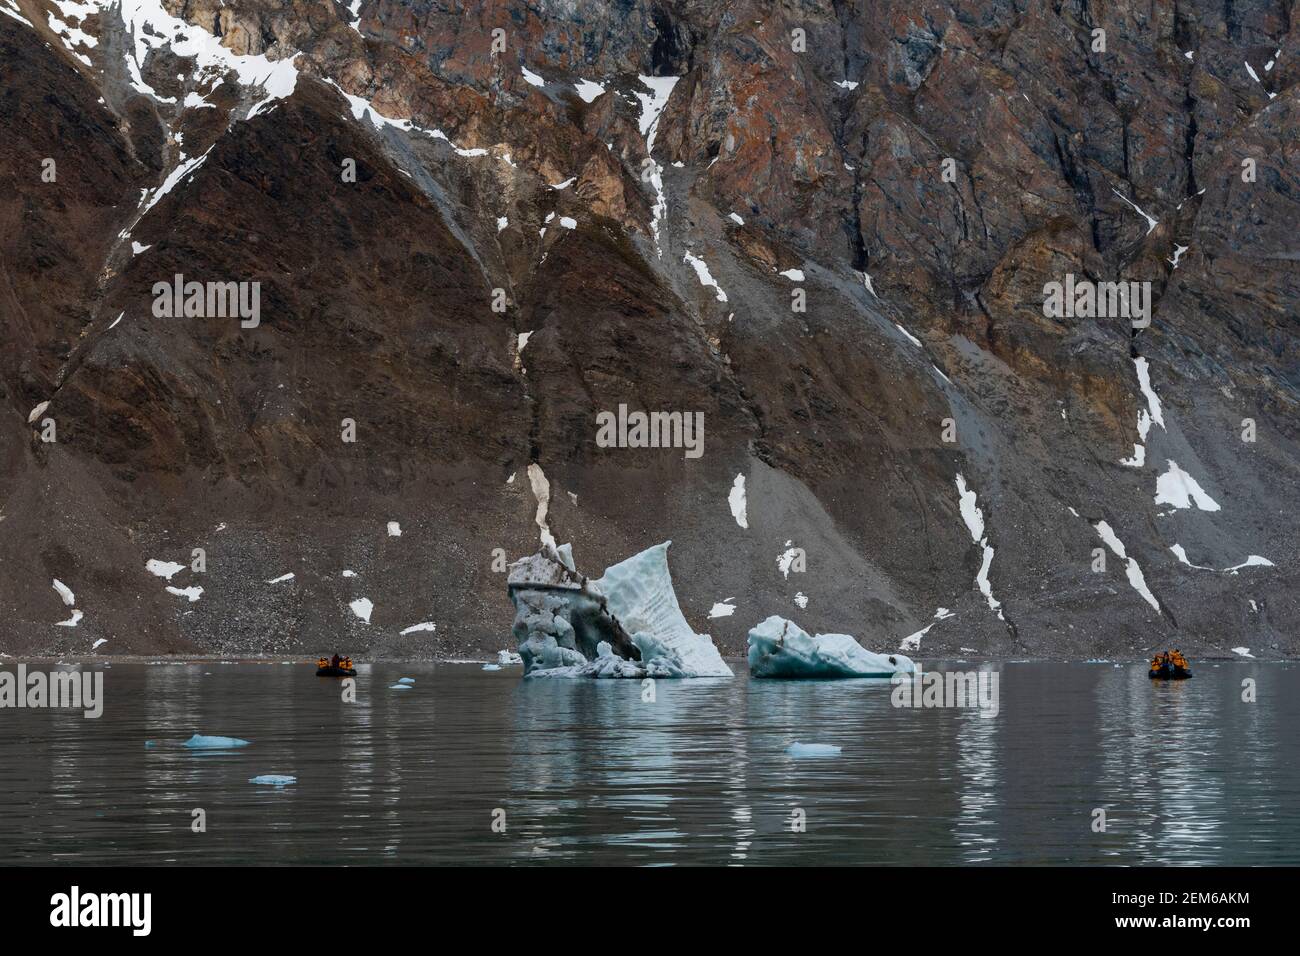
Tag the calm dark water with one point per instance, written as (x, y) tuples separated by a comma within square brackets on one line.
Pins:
[(589, 774)]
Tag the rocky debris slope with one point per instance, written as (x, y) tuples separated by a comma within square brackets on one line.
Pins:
[(482, 232)]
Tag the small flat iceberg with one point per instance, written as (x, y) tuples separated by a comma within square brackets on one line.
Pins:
[(780, 648), (400, 686), (203, 742), (273, 779), (797, 750), (406, 680)]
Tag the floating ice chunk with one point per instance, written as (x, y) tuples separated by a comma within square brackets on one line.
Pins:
[(204, 742), (736, 501), (1243, 651), (588, 90), (289, 577), (423, 626), (273, 779), (163, 569), (640, 594), (400, 686), (799, 750), (491, 667), (532, 78), (362, 607), (1176, 487), (65, 592), (193, 593), (394, 529), (780, 648), (723, 608)]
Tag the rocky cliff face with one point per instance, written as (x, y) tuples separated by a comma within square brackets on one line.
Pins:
[(475, 228)]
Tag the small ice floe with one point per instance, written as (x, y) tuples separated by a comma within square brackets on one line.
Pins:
[(95, 646), (491, 667), (399, 686), (1243, 651), (588, 90), (422, 626), (801, 599), (204, 742), (362, 607), (736, 219), (794, 275), (273, 780), (394, 529), (723, 608), (192, 593), (1176, 487), (736, 501), (163, 569), (287, 577), (532, 78), (798, 750), (706, 278), (65, 593), (508, 658), (780, 648)]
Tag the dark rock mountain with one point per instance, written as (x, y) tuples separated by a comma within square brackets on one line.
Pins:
[(475, 227)]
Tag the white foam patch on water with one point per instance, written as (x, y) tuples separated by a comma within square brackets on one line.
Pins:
[(706, 278), (164, 569), (737, 502), (1176, 487), (362, 607), (1135, 577)]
